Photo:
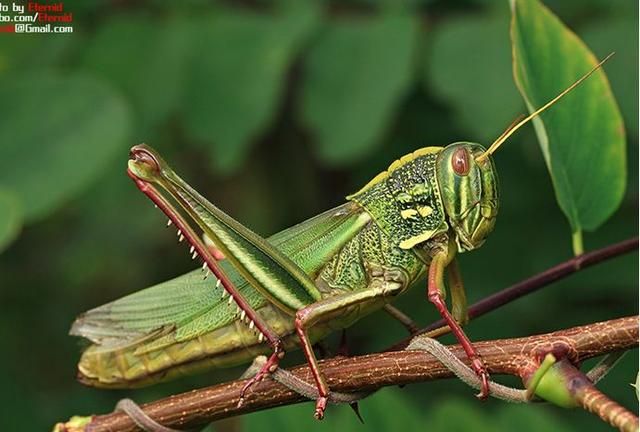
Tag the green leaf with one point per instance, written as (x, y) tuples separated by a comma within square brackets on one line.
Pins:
[(10, 218), (582, 137), (146, 60), (239, 72), (58, 133), (470, 67), (355, 76)]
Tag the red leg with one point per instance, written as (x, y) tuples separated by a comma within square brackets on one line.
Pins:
[(323, 390), (434, 282), (327, 309), (269, 367), (198, 248)]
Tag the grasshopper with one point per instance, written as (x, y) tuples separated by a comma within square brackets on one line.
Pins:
[(294, 288)]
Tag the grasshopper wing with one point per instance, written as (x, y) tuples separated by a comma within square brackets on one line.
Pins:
[(189, 306), (167, 308), (186, 324)]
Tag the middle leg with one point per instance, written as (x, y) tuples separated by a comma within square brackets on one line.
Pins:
[(330, 308), (435, 289)]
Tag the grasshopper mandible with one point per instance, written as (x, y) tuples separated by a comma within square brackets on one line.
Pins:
[(301, 284)]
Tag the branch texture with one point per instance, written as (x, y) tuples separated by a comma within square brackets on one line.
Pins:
[(518, 356), (534, 283)]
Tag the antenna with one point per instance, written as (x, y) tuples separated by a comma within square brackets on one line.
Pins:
[(511, 129)]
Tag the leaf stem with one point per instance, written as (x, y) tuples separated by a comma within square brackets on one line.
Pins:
[(576, 241)]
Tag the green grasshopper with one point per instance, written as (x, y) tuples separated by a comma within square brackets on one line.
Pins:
[(293, 289)]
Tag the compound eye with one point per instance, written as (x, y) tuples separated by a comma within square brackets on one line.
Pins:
[(460, 162)]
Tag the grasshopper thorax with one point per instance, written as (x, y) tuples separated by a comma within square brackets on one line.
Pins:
[(431, 191), (469, 191)]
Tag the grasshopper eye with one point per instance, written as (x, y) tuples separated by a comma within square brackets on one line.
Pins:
[(460, 162)]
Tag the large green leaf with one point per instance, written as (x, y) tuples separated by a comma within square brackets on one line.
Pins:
[(241, 59), (355, 76), (469, 67), (57, 133), (582, 137), (146, 59), (10, 217)]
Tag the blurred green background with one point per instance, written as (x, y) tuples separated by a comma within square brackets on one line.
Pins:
[(276, 110)]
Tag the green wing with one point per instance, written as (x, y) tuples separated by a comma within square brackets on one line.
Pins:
[(170, 307), (188, 306), (312, 243)]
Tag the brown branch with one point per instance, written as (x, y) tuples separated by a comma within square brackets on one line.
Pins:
[(534, 283), (586, 395), (593, 400), (370, 372)]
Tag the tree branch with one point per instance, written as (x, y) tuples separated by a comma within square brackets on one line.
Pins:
[(370, 372), (530, 285), (586, 395)]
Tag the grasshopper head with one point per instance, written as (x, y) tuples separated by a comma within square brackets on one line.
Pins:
[(469, 190), (468, 181)]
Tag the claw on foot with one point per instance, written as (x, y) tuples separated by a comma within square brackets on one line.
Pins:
[(256, 379), (240, 402), (480, 370), (269, 367), (321, 405)]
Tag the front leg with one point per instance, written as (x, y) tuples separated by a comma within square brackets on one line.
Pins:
[(458, 295), (435, 288), (330, 308)]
